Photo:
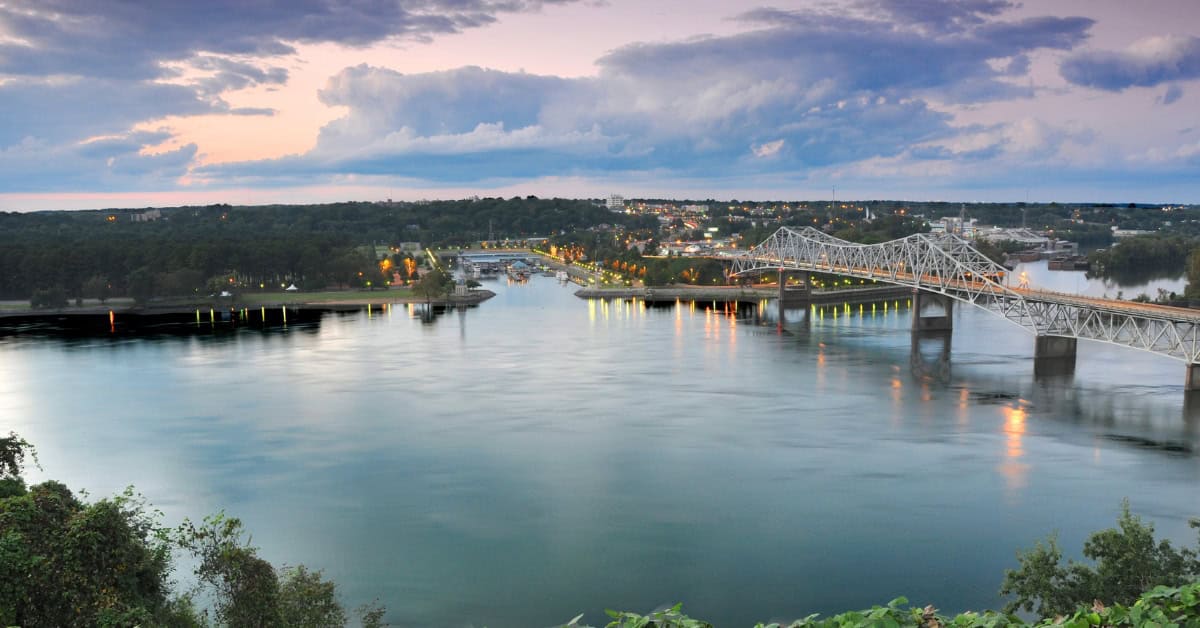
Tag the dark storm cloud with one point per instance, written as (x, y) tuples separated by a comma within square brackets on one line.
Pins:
[(895, 43), (75, 109), (1147, 63), (119, 39)]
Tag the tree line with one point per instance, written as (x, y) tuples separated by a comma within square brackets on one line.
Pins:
[(189, 250)]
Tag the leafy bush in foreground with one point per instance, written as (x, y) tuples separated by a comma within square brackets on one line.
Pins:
[(1159, 607)]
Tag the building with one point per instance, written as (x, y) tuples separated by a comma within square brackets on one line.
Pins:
[(149, 215), (616, 203)]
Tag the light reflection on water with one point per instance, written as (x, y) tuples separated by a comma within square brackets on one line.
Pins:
[(541, 456)]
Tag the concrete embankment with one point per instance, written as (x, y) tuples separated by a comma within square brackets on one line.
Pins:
[(747, 295), (222, 307)]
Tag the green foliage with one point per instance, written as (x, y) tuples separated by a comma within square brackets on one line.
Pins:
[(312, 245), (669, 618), (13, 451), (1156, 252), (1193, 274), (1128, 561), (306, 600), (96, 287), (64, 562), (371, 614), (434, 284), (1158, 607), (48, 298), (245, 588)]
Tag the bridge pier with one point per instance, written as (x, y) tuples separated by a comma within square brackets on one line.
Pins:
[(1054, 355), (922, 302), (1192, 380), (802, 295), (780, 300), (923, 365)]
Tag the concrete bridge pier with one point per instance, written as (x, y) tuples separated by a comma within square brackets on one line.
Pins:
[(1054, 355), (1192, 381), (1191, 411), (932, 312), (803, 294), (780, 300), (931, 364)]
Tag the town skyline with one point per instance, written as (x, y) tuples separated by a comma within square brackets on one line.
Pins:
[(971, 101)]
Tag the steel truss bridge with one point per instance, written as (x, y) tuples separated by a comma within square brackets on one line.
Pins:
[(948, 265)]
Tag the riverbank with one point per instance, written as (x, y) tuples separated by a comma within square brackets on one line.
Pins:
[(726, 294), (318, 301)]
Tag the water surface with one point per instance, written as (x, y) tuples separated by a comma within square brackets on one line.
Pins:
[(540, 456)]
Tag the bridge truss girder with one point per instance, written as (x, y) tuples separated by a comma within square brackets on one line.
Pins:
[(949, 265)]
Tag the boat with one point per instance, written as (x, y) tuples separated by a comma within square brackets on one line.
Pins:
[(518, 270), (562, 276), (1069, 262)]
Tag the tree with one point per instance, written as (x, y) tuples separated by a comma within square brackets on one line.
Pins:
[(371, 614), (65, 562), (140, 284), (308, 601), (1193, 274), (48, 298), (96, 287), (246, 591), (180, 282), (1128, 561), (433, 284)]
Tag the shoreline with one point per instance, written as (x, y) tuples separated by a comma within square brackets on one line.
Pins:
[(744, 294), (354, 301)]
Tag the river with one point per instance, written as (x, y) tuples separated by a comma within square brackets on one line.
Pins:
[(541, 456)]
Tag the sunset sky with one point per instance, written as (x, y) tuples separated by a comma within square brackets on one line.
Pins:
[(119, 103)]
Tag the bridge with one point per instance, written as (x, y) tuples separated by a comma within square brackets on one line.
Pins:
[(944, 268)]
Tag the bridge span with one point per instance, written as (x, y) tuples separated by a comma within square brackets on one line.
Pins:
[(943, 268)]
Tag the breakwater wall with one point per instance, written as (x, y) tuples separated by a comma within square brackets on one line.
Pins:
[(747, 295)]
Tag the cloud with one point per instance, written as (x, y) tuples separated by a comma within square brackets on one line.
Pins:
[(72, 71), (770, 149), (434, 103), (119, 162), (71, 110), (805, 90), (1173, 93), (221, 74), (1148, 62), (898, 48), (117, 39)]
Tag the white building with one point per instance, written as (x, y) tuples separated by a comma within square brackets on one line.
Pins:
[(616, 203)]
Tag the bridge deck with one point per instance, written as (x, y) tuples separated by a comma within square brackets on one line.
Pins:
[(1115, 306)]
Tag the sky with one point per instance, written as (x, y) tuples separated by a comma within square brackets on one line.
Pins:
[(116, 103)]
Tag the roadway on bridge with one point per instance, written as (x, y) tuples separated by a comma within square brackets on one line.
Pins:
[(1115, 306)]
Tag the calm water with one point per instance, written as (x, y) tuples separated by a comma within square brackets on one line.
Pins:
[(542, 456)]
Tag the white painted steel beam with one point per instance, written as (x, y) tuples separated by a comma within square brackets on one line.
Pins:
[(949, 265)]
